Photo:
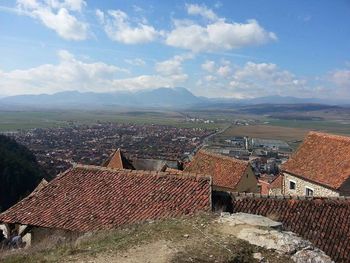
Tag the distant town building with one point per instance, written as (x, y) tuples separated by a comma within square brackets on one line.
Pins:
[(271, 185), (229, 174), (118, 160), (320, 167), (269, 144)]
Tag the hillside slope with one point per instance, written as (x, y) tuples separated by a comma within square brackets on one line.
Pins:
[(203, 238), (19, 172)]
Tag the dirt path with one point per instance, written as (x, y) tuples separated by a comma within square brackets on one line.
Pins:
[(157, 252)]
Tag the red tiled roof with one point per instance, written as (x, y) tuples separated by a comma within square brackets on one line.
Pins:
[(226, 171), (264, 187), (174, 171), (277, 182), (87, 198), (323, 221), (322, 158)]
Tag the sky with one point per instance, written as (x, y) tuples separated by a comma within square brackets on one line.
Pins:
[(233, 48)]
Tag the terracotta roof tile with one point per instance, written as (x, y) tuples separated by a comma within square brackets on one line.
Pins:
[(323, 221), (277, 182), (322, 158), (174, 171), (264, 187), (226, 171), (87, 198)]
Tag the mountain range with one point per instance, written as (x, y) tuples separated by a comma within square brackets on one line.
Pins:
[(161, 97)]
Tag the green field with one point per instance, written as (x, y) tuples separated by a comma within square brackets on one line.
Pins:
[(22, 120), (337, 127), (17, 120)]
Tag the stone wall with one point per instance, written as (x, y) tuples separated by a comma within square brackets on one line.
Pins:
[(275, 191), (300, 187), (325, 221)]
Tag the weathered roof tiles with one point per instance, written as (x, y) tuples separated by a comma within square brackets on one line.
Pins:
[(322, 158), (323, 221), (226, 171), (87, 198)]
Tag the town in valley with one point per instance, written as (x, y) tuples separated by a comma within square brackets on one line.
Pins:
[(149, 131)]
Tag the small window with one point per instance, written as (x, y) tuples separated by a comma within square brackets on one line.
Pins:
[(292, 185), (309, 192)]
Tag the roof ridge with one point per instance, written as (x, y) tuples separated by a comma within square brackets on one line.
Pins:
[(141, 172), (321, 158), (329, 135), (222, 156), (289, 197)]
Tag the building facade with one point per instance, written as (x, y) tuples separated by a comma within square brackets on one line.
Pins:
[(297, 186), (320, 167)]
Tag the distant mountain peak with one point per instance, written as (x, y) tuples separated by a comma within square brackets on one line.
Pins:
[(177, 97), (159, 97)]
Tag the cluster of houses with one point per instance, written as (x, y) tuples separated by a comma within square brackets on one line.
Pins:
[(123, 191)]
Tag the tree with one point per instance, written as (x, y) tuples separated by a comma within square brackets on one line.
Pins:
[(20, 172)]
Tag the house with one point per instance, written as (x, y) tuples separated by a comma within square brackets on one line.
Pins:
[(89, 198), (320, 167), (270, 185), (229, 174), (276, 186), (324, 221), (118, 160)]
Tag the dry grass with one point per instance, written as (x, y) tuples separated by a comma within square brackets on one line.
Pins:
[(189, 239)]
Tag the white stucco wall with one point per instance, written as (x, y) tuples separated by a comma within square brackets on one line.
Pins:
[(27, 238), (301, 185), (5, 230)]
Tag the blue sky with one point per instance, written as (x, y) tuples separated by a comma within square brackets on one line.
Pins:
[(214, 48)]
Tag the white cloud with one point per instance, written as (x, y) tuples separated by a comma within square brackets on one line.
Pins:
[(341, 77), (143, 82), (118, 28), (173, 65), (73, 5), (57, 16), (100, 16), (210, 78), (136, 62), (172, 68), (208, 66), (224, 71), (219, 35), (68, 74), (73, 74), (202, 10), (264, 79), (253, 80)]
